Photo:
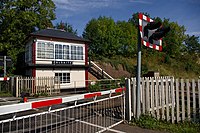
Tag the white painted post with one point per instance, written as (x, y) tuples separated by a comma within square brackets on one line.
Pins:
[(51, 85), (134, 96), (128, 99), (188, 98), (182, 99), (173, 97), (152, 97), (177, 101), (167, 98), (157, 100), (4, 66), (17, 87), (163, 100), (143, 95), (147, 96), (194, 99)]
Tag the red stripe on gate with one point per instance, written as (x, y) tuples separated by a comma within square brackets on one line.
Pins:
[(46, 103), (140, 28), (148, 19), (119, 90), (154, 46), (92, 95), (140, 16), (5, 78), (147, 44), (160, 48)]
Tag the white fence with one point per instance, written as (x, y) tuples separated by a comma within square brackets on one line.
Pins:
[(37, 85), (167, 98), (51, 85)]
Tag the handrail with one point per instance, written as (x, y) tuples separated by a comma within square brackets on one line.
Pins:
[(101, 69)]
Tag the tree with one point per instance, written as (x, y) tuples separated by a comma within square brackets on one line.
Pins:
[(103, 36), (109, 38), (18, 18), (173, 41), (192, 44), (66, 26), (127, 38)]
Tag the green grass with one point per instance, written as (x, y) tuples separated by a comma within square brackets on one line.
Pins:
[(149, 122), (173, 67), (5, 94)]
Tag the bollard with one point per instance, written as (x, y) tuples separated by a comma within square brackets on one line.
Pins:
[(25, 99)]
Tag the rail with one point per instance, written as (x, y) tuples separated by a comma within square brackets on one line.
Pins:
[(101, 70)]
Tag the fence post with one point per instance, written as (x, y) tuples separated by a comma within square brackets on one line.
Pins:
[(128, 100), (133, 80), (12, 86), (194, 99), (188, 97), (172, 84), (17, 87), (182, 99)]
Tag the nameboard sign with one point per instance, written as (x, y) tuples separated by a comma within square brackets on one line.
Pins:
[(62, 62)]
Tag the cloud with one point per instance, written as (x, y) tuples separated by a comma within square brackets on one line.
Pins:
[(67, 8), (80, 5), (140, 1)]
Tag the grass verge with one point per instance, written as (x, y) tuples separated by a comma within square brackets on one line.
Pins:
[(5, 94), (149, 122)]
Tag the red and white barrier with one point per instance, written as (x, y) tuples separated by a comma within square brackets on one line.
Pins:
[(4, 78), (7, 109)]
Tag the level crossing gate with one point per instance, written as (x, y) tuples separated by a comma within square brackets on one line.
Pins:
[(83, 113)]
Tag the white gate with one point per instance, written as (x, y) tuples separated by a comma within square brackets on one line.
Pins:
[(85, 113), (165, 98)]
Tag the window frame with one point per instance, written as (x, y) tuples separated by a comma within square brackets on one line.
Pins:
[(61, 51), (64, 78), (45, 50)]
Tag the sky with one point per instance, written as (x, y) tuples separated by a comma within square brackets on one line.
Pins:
[(79, 12)]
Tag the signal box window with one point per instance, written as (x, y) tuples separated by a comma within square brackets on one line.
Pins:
[(62, 77)]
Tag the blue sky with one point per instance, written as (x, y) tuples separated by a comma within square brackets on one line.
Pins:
[(79, 12)]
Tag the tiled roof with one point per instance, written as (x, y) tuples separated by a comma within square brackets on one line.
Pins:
[(61, 34)]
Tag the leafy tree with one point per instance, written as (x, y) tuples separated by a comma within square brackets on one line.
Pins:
[(173, 41), (102, 33), (66, 26), (192, 44), (18, 18), (109, 39), (127, 38)]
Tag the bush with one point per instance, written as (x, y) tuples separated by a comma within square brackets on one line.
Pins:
[(94, 87)]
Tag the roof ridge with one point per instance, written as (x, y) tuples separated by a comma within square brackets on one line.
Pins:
[(49, 28), (58, 33)]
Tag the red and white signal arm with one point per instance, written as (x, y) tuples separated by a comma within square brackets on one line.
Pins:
[(143, 21)]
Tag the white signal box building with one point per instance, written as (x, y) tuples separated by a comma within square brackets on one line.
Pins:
[(57, 53)]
